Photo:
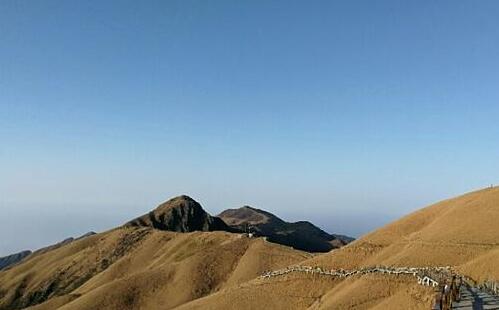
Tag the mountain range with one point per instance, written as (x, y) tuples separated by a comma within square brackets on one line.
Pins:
[(178, 256)]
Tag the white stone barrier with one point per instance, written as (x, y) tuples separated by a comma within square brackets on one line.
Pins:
[(425, 275)]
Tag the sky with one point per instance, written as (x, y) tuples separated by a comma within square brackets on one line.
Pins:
[(349, 114)]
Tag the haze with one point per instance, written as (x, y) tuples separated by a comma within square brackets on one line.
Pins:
[(348, 114)]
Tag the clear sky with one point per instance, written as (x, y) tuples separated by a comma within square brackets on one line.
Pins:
[(346, 113)]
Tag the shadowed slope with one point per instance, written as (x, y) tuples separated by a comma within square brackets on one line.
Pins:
[(181, 214), (301, 235)]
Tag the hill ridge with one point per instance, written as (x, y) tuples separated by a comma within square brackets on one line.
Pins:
[(302, 235)]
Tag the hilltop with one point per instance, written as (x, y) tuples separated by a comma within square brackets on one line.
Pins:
[(300, 235), (181, 214)]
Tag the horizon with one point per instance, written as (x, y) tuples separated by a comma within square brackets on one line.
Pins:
[(38, 244), (348, 114)]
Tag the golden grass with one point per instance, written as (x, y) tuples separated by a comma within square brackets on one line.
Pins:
[(157, 270), (143, 268)]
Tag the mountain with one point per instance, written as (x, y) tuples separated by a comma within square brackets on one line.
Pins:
[(300, 235), (139, 267), (461, 232), (181, 214), (143, 265), (12, 259)]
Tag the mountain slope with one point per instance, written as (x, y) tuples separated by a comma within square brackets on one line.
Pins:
[(141, 265), (129, 268), (300, 235), (309, 292), (15, 258), (461, 232), (453, 232)]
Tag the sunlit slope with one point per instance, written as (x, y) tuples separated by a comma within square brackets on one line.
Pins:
[(301, 291), (288, 292), (452, 232), (129, 268), (461, 232)]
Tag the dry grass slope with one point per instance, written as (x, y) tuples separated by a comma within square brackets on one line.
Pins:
[(130, 268), (460, 232)]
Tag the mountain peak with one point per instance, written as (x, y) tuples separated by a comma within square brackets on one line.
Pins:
[(181, 214), (301, 235), (248, 215)]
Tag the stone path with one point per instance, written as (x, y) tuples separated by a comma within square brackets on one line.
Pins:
[(474, 299)]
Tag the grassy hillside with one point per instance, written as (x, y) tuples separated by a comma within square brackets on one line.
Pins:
[(461, 232), (129, 267)]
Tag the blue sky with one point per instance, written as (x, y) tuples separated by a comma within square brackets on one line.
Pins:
[(346, 113)]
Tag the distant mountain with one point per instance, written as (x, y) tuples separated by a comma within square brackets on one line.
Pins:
[(63, 242), (346, 239), (300, 235), (10, 260), (180, 214)]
